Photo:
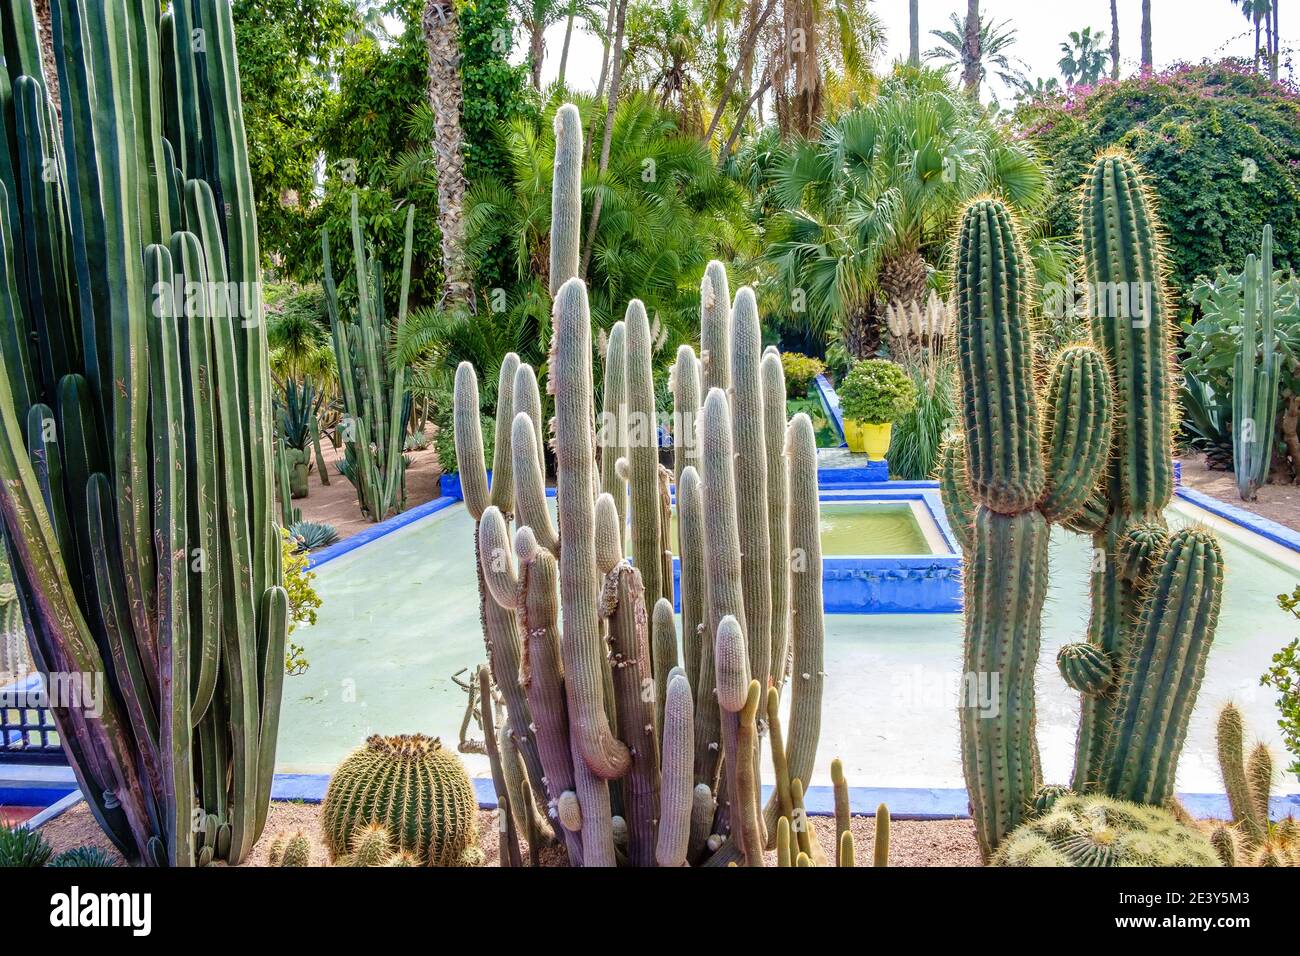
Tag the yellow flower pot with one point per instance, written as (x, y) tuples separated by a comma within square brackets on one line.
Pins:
[(869, 437)]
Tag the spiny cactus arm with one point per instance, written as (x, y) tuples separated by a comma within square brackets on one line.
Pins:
[(807, 625), (999, 406), (749, 442), (845, 857), (665, 501), (614, 420), (494, 554), (731, 663), (1086, 668), (1225, 845), (1076, 431), (566, 197), (783, 842), (690, 533), (623, 602), (580, 645), (715, 328), (1164, 669), (746, 818), (663, 654), (685, 384), (540, 674), (528, 400), (609, 553), (882, 836), (955, 490), (528, 820), (643, 451), (781, 790), (778, 509), (1259, 773), (503, 484), (507, 833), (1123, 257), (676, 769), (703, 808), (841, 789), (531, 509), (469, 441)]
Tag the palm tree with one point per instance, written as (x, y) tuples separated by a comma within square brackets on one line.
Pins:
[(914, 33), (1259, 13), (611, 107), (534, 16), (971, 49), (759, 11), (441, 37), (1146, 36), (862, 204), (1083, 60), (1038, 90), (662, 51), (1114, 40), (994, 39)]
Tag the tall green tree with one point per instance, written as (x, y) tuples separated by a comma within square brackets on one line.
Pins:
[(990, 50)]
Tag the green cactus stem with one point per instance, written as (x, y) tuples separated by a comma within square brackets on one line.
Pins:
[(881, 847), (648, 539)]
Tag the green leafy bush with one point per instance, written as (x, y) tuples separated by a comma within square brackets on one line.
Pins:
[(1284, 677), (1220, 144), (918, 435), (878, 391), (444, 442), (800, 370)]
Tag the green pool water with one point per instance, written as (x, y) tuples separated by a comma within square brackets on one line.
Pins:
[(857, 528), (400, 617)]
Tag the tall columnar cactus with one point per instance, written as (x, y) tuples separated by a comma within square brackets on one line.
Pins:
[(618, 723), (375, 401), (1155, 596), (136, 466), (1255, 375), (1020, 476)]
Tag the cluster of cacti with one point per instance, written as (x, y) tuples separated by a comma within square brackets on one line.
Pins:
[(291, 850), (83, 856), (298, 433), (1256, 373), (136, 480), (1155, 595), (1092, 830), (372, 381), (1253, 839), (15, 659), (21, 846), (412, 787), (635, 754)]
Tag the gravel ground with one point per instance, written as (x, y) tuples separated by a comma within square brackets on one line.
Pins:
[(1280, 503), (911, 842)]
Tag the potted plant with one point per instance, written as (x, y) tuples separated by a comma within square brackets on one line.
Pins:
[(874, 395)]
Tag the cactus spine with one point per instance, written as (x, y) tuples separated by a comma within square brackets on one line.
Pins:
[(1018, 479)]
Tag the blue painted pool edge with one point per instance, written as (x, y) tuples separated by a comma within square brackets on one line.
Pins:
[(378, 530), (832, 402), (905, 803), (1271, 530)]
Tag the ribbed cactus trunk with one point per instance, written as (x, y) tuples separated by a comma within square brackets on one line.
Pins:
[(138, 505), (1002, 489), (1255, 375)]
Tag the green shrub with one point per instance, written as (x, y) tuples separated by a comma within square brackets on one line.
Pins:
[(444, 442), (918, 435), (800, 370), (877, 391), (1284, 677)]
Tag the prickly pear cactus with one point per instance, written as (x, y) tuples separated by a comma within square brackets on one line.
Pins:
[(413, 788)]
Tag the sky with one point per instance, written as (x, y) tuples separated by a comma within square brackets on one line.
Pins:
[(1182, 30)]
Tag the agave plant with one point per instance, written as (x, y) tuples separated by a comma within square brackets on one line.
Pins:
[(310, 535)]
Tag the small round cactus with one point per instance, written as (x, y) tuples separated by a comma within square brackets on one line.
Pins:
[(1100, 831), (1045, 798), (293, 850), (1086, 668), (412, 786)]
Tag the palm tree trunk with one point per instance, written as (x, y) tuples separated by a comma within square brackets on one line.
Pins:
[(1273, 53), (914, 33), (1146, 37), (612, 6), (564, 53), (615, 77), (441, 32), (971, 53), (1114, 41), (746, 55), (536, 53), (740, 117)]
